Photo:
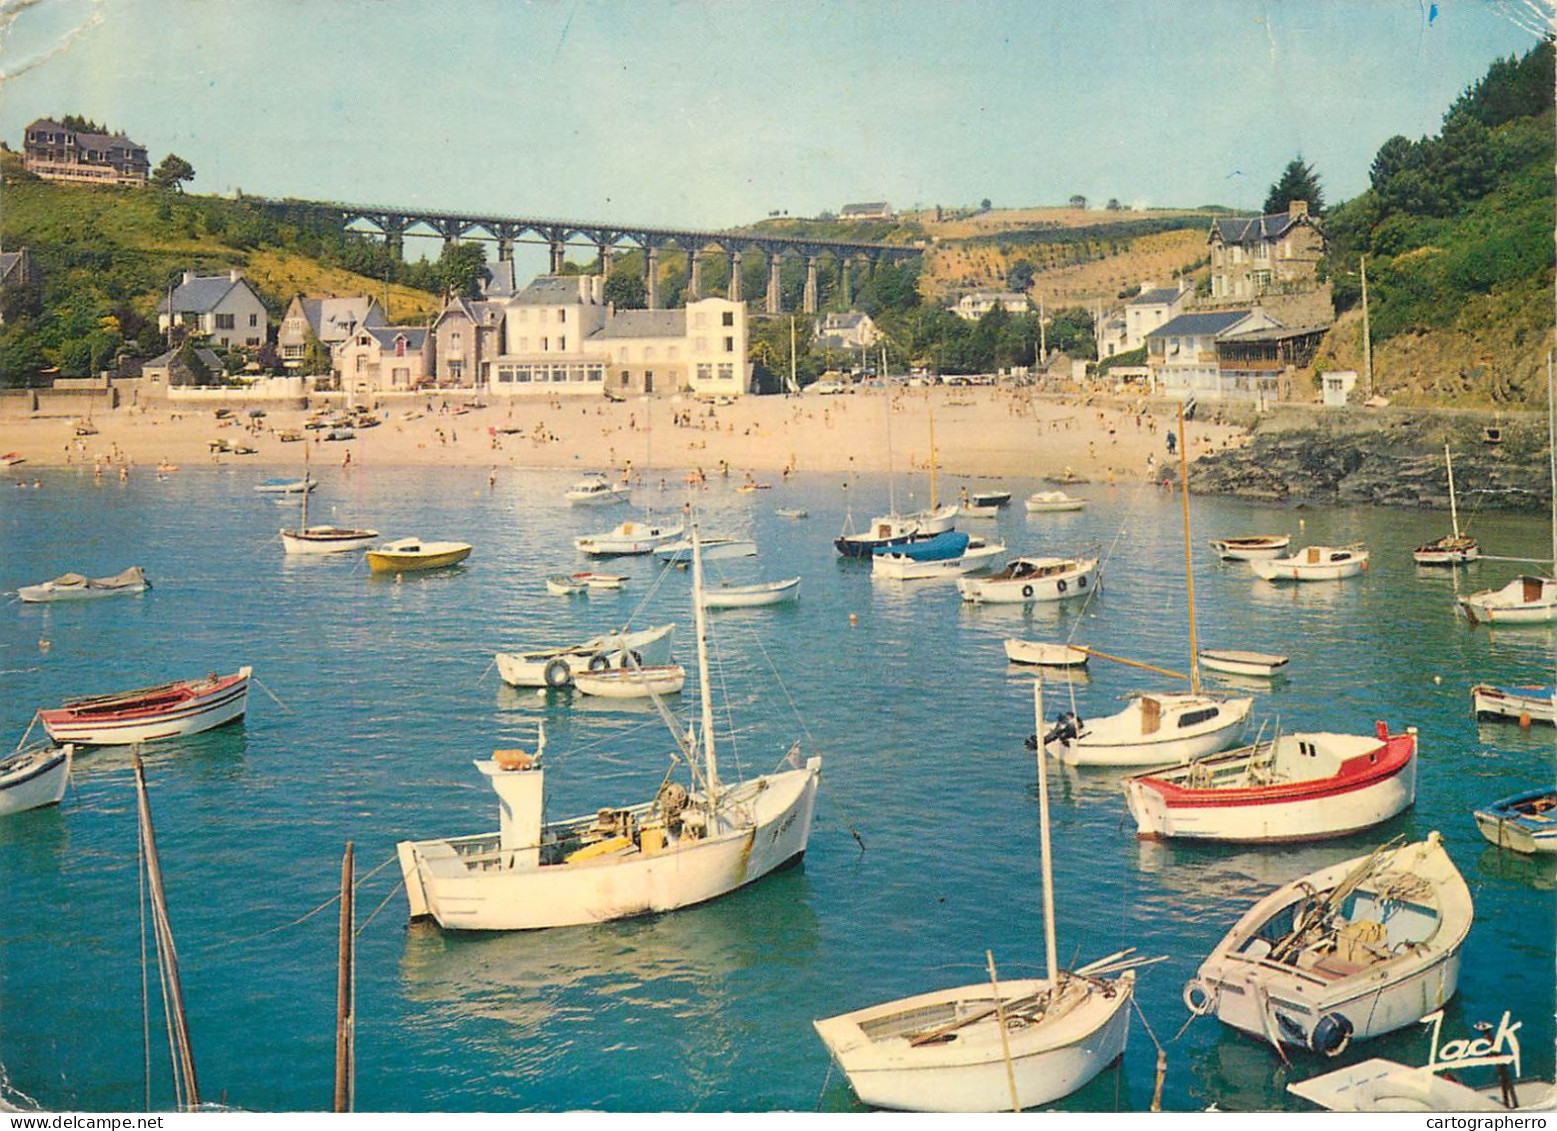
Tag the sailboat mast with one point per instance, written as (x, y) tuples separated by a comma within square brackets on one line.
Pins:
[(302, 527), (1551, 440), (891, 484), (700, 622), (931, 411), (1047, 864), (1189, 572), (1454, 509)]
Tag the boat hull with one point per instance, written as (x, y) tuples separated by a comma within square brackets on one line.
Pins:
[(1327, 567), (632, 683), (1047, 1060), (226, 702), (1044, 655), (606, 888), (1250, 549), (389, 561), (1076, 581), (1521, 705), (1506, 826), (752, 596), (1123, 740), (1525, 600), (33, 779), (1242, 663), (327, 540), (555, 667)]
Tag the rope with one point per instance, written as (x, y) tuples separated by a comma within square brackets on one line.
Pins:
[(303, 918), (1162, 1055), (826, 1080), (272, 694), (492, 663), (842, 816), (140, 863), (28, 731), (400, 883)]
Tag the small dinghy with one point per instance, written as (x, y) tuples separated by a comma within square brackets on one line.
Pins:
[(1045, 501), (1346, 953), (1234, 662), (792, 512), (33, 777), (1301, 786), (566, 585), (1251, 547), (168, 710), (1525, 822), (631, 682), (409, 554), (282, 486), (1045, 655), (1313, 563), (1531, 703), (75, 587), (749, 596), (556, 667)]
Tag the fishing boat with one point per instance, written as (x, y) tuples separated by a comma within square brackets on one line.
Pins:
[(1042, 502), (567, 584), (1453, 548), (628, 538), (1346, 953), (1235, 662), (995, 499), (168, 710), (1251, 547), (748, 596), (1313, 563), (1525, 600), (407, 554), (283, 486), (1045, 655), (596, 490), (1531, 703), (937, 547), (900, 564), (713, 549), (1294, 787), (75, 587), (995, 1045), (324, 539), (555, 667), (883, 533), (685, 845), (11, 459), (631, 682), (1025, 580), (792, 512), (33, 777), (1525, 822)]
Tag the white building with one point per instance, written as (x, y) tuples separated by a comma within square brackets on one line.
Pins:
[(223, 308), (979, 303), (1182, 352)]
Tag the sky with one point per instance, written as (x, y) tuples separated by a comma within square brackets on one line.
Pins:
[(713, 113)]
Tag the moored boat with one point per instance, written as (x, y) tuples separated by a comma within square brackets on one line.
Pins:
[(792, 512), (555, 667), (1525, 600), (1235, 662), (1042, 502), (1300, 786), (628, 538), (1453, 548), (168, 710), (566, 584), (712, 549), (75, 587), (307, 539), (284, 486), (1378, 1085), (1025, 580), (1153, 730), (1313, 563), (1346, 953), (1525, 822), (749, 596), (1045, 655), (1251, 547), (407, 554), (596, 490), (633, 682), (937, 547), (898, 564), (33, 777), (1524, 705)]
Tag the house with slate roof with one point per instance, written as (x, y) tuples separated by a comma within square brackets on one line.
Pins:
[(869, 210), (852, 330), (1125, 329), (224, 309), (1255, 256), (468, 337), (58, 153), (1182, 352), (385, 359), (544, 335), (328, 320), (701, 349), (169, 369), (974, 306)]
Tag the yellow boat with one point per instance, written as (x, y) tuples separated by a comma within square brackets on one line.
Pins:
[(412, 553)]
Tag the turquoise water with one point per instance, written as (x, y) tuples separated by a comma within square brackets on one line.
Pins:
[(383, 695)]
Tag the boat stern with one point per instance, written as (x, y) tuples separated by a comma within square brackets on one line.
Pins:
[(411, 874)]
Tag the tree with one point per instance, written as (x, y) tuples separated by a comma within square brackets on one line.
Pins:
[(627, 290), (1114, 205), (1078, 201), (1392, 157), (172, 173), (985, 204), (82, 125), (460, 268), (1020, 276), (1298, 181)]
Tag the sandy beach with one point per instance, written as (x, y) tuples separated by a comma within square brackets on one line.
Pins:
[(979, 432)]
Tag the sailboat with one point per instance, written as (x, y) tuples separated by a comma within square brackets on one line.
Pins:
[(1527, 599), (681, 847), (323, 539), (1451, 549), (1155, 729), (996, 1045)]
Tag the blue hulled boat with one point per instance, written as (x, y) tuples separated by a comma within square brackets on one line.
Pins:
[(1525, 822)]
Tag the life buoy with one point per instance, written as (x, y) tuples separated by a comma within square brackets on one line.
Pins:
[(1060, 585), (1081, 582), (1027, 590), (558, 674), (1331, 1034), (1199, 998), (633, 659), (599, 662)]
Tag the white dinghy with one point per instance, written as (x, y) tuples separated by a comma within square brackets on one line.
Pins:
[(305, 539), (75, 587), (1231, 661), (555, 667), (1045, 502), (752, 596), (33, 777), (632, 682), (1045, 655), (1346, 953), (681, 847), (996, 1045), (1250, 547)]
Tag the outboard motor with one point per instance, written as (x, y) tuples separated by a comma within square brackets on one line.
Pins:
[(1066, 727)]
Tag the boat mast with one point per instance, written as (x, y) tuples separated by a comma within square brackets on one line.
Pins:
[(1047, 865), (891, 479), (931, 410), (700, 622), (1189, 573), (1454, 510), (1551, 441), (302, 527), (345, 993)]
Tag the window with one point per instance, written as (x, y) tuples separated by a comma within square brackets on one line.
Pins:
[(545, 344), (225, 322), (728, 319), (594, 373), (624, 378), (400, 377), (729, 345), (454, 340), (700, 345), (727, 373), (705, 372), (1191, 718), (253, 320), (399, 347), (562, 344), (562, 316), (252, 343)]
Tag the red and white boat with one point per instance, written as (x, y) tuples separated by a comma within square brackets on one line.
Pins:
[(1302, 786), (169, 710)]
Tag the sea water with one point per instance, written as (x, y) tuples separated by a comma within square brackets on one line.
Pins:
[(376, 694)]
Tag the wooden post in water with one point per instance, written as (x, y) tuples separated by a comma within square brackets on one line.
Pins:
[(345, 1019)]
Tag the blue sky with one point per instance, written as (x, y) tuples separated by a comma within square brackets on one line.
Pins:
[(711, 113)]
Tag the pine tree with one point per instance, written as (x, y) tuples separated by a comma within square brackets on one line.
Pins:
[(1298, 182)]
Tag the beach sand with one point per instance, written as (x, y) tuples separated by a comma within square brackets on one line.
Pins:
[(979, 432)]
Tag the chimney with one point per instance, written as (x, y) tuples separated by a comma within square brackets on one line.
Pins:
[(234, 275), (1296, 209), (189, 277)]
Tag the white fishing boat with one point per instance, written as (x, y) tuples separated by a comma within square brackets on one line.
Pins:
[(1313, 563), (75, 587), (596, 490), (686, 845), (1294, 787), (283, 486), (792, 512), (995, 1045), (1525, 822), (1045, 655), (1453, 548), (629, 538), (716, 548), (1042, 502), (555, 667), (168, 710), (1251, 547), (405, 555), (748, 596), (1525, 600), (33, 777), (1025, 580), (1532, 703), (603, 580), (307, 539), (633, 682), (901, 566), (1235, 662), (567, 584), (1378, 1085), (1346, 953)]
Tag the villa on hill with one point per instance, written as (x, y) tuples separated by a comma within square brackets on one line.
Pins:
[(870, 210), (58, 153), (224, 309), (974, 306), (851, 330), (329, 321), (1125, 329), (1272, 260)]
